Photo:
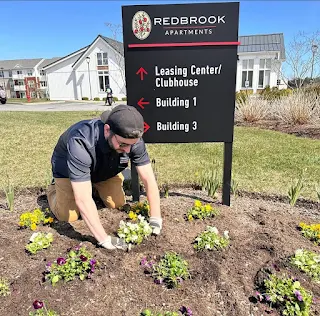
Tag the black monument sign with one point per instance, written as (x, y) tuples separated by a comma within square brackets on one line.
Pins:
[(180, 64)]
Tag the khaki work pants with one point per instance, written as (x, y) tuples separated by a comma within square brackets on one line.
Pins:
[(62, 203)]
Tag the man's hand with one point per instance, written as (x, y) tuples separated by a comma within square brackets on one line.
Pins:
[(156, 225), (113, 243)]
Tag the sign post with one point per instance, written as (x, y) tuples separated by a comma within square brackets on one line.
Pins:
[(180, 65)]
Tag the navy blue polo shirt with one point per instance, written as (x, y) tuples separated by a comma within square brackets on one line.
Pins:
[(83, 154)]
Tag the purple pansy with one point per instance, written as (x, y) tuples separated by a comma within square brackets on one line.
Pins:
[(158, 281), (298, 295), (83, 258), (61, 261), (37, 304)]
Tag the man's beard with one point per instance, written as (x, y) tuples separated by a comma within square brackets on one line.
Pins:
[(109, 140)]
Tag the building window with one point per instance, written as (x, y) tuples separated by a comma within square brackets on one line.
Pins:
[(43, 83), (103, 80), (30, 72), (10, 73), (247, 73), (1, 74), (102, 59), (264, 73), (19, 72), (42, 72)]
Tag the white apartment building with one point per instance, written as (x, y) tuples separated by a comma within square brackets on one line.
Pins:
[(87, 72)]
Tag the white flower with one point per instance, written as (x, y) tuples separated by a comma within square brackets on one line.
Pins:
[(207, 246), (126, 230), (122, 235), (226, 234), (134, 237), (33, 236)]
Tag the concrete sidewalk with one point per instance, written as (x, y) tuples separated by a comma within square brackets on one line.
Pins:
[(58, 106)]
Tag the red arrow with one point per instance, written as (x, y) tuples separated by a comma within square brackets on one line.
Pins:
[(141, 72), (145, 126), (141, 103)]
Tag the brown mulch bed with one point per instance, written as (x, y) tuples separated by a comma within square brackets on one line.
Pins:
[(263, 232), (307, 130)]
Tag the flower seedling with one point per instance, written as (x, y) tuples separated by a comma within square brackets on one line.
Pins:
[(141, 208), (4, 287), (78, 262), (171, 270), (295, 189), (39, 241), (148, 312), (308, 262), (134, 233), (35, 218), (312, 232), (199, 211), (211, 239), (287, 295), (40, 309), (186, 311)]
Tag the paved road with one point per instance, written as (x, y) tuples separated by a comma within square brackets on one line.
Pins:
[(58, 106)]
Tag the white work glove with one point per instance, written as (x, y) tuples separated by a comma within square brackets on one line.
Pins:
[(112, 243), (156, 225)]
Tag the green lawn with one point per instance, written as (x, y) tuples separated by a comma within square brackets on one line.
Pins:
[(263, 161)]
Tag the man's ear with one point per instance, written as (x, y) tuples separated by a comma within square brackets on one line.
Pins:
[(106, 130)]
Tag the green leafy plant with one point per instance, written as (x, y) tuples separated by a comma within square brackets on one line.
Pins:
[(78, 262), (39, 241), (312, 232), (209, 181), (295, 190), (35, 218), (9, 192), (40, 309), (4, 287), (186, 311), (134, 233), (171, 270), (210, 239), (199, 211), (308, 262), (287, 295)]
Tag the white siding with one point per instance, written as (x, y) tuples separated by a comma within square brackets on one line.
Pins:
[(274, 74), (116, 75), (63, 81)]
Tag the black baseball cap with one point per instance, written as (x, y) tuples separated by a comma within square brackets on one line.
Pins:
[(125, 121)]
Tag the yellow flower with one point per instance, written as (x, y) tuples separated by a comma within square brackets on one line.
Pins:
[(33, 226), (208, 207), (133, 216), (190, 218), (50, 220), (21, 223), (197, 203)]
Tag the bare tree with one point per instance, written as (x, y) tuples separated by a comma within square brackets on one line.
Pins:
[(300, 59), (116, 32)]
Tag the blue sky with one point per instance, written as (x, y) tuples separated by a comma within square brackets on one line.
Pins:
[(45, 29)]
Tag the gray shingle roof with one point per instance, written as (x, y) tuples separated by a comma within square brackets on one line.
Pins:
[(118, 46), (260, 43), (23, 63), (46, 62)]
